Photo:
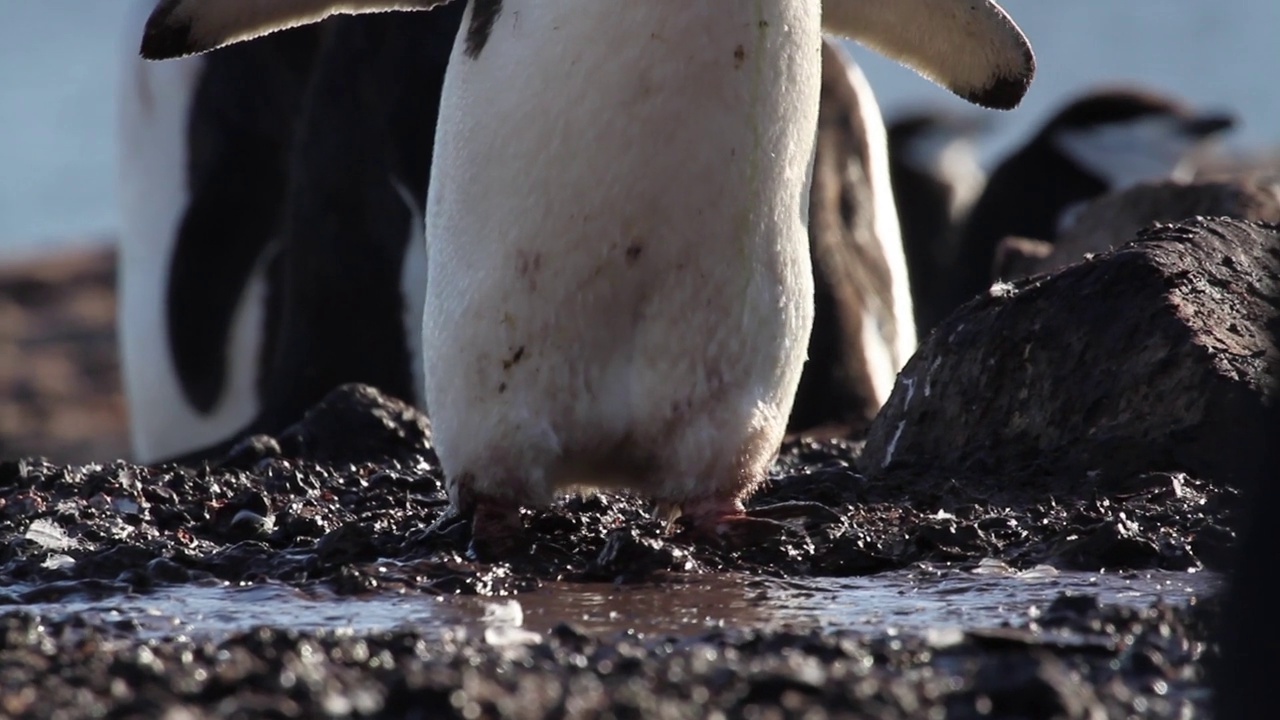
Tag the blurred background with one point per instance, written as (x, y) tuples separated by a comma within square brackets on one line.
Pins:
[(58, 71), (58, 60)]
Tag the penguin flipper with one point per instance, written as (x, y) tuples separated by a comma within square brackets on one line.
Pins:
[(971, 47), (177, 28)]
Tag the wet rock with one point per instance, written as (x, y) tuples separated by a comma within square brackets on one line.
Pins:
[(1104, 662), (629, 557), (1114, 543), (250, 451), (1112, 220), (1044, 688), (357, 423), (1156, 357), (248, 515)]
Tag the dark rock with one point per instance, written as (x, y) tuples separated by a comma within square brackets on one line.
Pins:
[(357, 423), (1130, 663), (1111, 220), (1156, 357), (246, 516), (629, 557), (1011, 687), (250, 451), (1114, 543)]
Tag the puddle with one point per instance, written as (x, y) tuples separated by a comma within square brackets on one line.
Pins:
[(918, 600)]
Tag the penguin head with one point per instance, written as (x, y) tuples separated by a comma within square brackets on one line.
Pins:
[(1125, 136), (938, 142)]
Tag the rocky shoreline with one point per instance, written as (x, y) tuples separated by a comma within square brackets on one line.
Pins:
[(1040, 426)]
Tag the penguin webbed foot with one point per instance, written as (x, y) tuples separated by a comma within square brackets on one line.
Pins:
[(491, 530), (724, 523), (497, 532), (798, 512)]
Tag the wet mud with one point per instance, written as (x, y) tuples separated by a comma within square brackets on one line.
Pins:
[(1076, 660), (349, 520), (333, 518)]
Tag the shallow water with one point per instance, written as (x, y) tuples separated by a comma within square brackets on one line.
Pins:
[(916, 601)]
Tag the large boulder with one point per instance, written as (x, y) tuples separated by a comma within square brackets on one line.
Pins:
[(1154, 357), (1111, 220)]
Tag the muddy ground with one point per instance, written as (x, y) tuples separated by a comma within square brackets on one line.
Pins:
[(325, 507)]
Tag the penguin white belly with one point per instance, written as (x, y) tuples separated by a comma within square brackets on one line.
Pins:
[(619, 290), (154, 110)]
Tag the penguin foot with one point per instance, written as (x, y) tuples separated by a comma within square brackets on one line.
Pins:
[(725, 524), (497, 532), (798, 512)]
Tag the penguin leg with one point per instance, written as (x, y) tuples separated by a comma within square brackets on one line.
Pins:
[(497, 532), (723, 521)]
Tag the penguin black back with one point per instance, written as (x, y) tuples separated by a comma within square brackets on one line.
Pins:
[(365, 146), (352, 186), (936, 177), (240, 137)]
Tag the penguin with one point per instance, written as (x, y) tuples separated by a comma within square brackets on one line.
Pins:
[(344, 299), (1103, 141), (937, 177), (863, 329), (203, 148), (619, 288), (353, 250), (1109, 221)]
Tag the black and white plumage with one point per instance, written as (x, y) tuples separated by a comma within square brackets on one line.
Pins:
[(937, 177), (290, 260), (204, 149), (1104, 141), (619, 291), (863, 331)]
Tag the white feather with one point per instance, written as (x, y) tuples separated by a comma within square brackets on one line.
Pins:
[(583, 132), (154, 108)]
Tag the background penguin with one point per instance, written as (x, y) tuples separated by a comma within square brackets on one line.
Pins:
[(348, 172), (355, 255), (1116, 218), (203, 157), (1104, 141), (863, 330), (937, 177), (1248, 633), (638, 315)]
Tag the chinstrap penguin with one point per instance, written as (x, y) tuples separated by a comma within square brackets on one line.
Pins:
[(937, 177), (343, 300), (863, 331), (1108, 222), (619, 288), (202, 163), (1104, 141), (353, 259)]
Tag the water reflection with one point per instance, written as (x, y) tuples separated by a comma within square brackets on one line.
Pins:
[(915, 601)]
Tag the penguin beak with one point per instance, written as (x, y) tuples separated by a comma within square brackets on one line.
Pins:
[(1208, 125)]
